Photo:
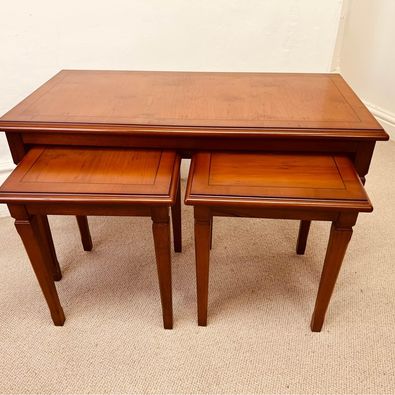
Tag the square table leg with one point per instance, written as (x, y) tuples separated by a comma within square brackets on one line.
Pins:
[(340, 236), (85, 233), (304, 228), (161, 232), (48, 245), (176, 221), (203, 220), (29, 228)]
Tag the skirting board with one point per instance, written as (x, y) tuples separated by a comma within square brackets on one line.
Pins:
[(385, 118)]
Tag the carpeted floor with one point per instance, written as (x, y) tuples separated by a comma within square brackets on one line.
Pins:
[(261, 298)]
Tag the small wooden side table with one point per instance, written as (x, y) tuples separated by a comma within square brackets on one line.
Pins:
[(193, 111), (282, 186), (93, 181)]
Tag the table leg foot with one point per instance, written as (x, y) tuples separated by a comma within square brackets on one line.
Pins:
[(304, 228), (161, 233), (30, 231), (85, 233), (203, 221), (337, 246)]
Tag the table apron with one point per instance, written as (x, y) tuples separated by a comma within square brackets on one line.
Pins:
[(360, 151)]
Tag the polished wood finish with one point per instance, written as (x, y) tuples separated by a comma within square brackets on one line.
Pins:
[(195, 111), (18, 150), (176, 220), (203, 223), (161, 232), (31, 235), (92, 181), (48, 247), (337, 246), (185, 111), (90, 100), (189, 112), (275, 180), (276, 186), (84, 171), (17, 147), (304, 228), (86, 238)]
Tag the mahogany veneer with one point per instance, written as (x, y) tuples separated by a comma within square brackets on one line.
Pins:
[(92, 181), (304, 187), (188, 112), (210, 103)]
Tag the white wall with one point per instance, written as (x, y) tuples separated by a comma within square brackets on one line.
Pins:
[(367, 56), (40, 37)]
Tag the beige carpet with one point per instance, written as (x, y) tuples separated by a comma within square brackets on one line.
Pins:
[(261, 298)]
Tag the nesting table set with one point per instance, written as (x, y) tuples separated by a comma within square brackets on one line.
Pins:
[(263, 145)]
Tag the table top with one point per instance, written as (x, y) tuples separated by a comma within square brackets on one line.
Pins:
[(275, 180), (194, 103), (94, 175)]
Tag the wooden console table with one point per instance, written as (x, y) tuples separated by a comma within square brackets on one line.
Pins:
[(190, 111), (197, 111)]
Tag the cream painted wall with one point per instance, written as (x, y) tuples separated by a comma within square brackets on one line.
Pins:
[(367, 56), (38, 38)]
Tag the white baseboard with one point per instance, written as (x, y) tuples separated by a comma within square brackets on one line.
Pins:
[(385, 118)]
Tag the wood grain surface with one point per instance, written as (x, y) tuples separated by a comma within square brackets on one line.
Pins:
[(54, 171), (149, 102), (244, 178)]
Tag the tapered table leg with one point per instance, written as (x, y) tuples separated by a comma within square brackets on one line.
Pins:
[(337, 246), (85, 233), (202, 251), (30, 233), (176, 221), (304, 228), (161, 233), (48, 247)]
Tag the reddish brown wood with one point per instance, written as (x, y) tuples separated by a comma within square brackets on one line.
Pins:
[(274, 212), (62, 207), (161, 232), (337, 246), (363, 158), (264, 186), (275, 180), (94, 182), (18, 151), (48, 247), (227, 111), (32, 237), (64, 174), (86, 238), (17, 146), (82, 170), (302, 237), (117, 100), (190, 143), (203, 222), (271, 117), (176, 220)]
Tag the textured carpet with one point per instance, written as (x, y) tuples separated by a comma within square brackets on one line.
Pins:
[(261, 299)]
